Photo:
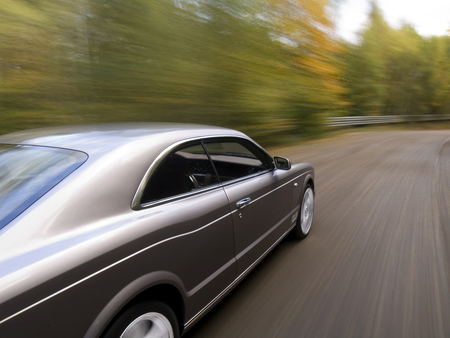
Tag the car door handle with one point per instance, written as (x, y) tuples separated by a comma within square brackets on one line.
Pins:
[(243, 202)]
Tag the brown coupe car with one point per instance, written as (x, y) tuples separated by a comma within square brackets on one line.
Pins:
[(136, 230)]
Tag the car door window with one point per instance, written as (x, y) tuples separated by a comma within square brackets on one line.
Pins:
[(236, 158), (186, 169)]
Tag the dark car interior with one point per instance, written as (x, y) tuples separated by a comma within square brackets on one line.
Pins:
[(190, 168)]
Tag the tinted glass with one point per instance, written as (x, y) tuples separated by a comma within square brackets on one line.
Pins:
[(236, 158), (28, 172), (184, 170)]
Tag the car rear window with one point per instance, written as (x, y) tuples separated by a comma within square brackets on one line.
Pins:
[(28, 172)]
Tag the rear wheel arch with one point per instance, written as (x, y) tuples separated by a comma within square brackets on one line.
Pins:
[(144, 319), (161, 287), (169, 295), (162, 293)]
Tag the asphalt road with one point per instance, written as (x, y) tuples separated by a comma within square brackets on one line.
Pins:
[(377, 260)]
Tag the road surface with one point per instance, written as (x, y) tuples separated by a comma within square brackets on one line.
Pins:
[(377, 260)]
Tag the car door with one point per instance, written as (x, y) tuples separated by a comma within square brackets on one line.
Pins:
[(189, 211), (259, 195)]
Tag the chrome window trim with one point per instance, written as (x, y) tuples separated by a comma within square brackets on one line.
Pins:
[(178, 197), (243, 178), (136, 201)]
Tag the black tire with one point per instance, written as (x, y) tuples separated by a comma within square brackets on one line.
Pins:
[(142, 317), (305, 214)]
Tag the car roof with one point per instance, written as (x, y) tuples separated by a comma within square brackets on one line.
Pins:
[(106, 137)]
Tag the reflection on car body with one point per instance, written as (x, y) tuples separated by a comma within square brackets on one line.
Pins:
[(116, 229)]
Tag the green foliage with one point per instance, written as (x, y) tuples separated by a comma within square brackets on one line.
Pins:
[(215, 62), (396, 71), (272, 68)]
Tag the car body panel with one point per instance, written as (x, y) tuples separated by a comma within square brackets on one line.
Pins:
[(77, 256), (253, 228)]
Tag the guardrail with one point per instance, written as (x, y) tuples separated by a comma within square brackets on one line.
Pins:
[(365, 120)]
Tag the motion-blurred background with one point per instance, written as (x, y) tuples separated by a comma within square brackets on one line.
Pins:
[(271, 68)]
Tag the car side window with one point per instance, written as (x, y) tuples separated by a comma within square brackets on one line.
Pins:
[(236, 158), (186, 169)]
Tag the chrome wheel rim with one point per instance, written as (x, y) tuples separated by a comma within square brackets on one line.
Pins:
[(149, 325), (307, 211)]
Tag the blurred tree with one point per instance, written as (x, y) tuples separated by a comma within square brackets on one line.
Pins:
[(396, 71), (366, 67), (306, 29), (267, 67), (244, 64), (439, 69), (406, 73)]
